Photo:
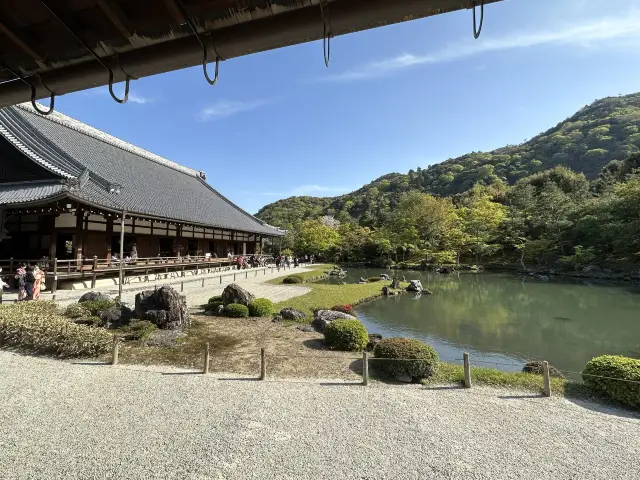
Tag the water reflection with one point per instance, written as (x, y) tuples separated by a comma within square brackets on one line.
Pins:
[(510, 319)]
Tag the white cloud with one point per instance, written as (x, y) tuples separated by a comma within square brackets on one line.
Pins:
[(133, 98), (624, 31), (303, 190), (226, 108)]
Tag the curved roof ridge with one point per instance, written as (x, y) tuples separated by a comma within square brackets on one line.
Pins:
[(93, 132)]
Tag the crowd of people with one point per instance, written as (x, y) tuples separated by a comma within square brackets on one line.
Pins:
[(285, 261), (29, 280)]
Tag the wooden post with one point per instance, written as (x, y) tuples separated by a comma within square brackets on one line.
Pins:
[(263, 364), (365, 369), (220, 279), (54, 287), (234, 277), (93, 271), (114, 351), (11, 265), (246, 274), (547, 379), (203, 283), (121, 264), (467, 370), (205, 370), (183, 270), (182, 286)]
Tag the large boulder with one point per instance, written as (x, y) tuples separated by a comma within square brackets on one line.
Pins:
[(415, 286), (395, 283), (164, 307), (322, 318), (537, 368), (94, 296), (292, 314), (116, 316), (234, 293)]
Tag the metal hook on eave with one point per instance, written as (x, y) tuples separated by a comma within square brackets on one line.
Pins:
[(95, 55), (52, 99), (476, 30), (326, 35), (204, 65)]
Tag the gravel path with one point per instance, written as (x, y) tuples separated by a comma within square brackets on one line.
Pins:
[(83, 421)]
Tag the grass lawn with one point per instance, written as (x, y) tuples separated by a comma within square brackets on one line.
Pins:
[(317, 271), (325, 296), (451, 373)]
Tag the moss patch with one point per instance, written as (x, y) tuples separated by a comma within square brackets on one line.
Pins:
[(316, 274)]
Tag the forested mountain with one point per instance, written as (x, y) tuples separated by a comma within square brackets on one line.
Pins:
[(606, 130)]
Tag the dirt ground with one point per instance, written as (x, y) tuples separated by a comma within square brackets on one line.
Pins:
[(235, 348)]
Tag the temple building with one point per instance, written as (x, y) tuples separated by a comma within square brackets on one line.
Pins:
[(65, 186)]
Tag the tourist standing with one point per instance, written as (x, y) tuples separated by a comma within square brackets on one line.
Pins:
[(134, 252), (21, 273), (38, 283), (29, 280)]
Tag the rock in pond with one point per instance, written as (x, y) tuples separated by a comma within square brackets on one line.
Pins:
[(415, 286), (395, 283), (234, 293), (164, 307), (292, 314), (593, 269), (537, 368), (94, 296), (322, 318)]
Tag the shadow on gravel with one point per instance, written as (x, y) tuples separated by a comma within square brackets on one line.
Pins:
[(315, 344), (443, 387), (92, 364), (524, 395), (240, 379)]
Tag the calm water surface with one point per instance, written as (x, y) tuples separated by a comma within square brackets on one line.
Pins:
[(506, 319)]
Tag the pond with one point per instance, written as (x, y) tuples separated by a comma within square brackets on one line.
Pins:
[(505, 320)]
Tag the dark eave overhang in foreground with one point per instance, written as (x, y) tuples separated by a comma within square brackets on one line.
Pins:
[(227, 30)]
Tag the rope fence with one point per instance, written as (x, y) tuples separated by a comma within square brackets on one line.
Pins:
[(366, 361)]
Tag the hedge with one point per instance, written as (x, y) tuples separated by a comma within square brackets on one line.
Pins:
[(422, 360), (614, 367), (261, 307), (94, 306), (77, 310), (236, 310), (347, 335), (215, 299), (37, 327), (291, 279)]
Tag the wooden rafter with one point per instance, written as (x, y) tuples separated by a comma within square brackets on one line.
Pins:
[(11, 31), (176, 11), (117, 17)]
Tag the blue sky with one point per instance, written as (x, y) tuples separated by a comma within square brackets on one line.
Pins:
[(280, 124)]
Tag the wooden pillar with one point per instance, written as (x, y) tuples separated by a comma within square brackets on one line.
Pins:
[(79, 235), (109, 235)]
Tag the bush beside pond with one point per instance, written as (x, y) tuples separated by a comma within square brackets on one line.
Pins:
[(422, 360), (614, 367), (348, 309), (347, 335), (38, 327)]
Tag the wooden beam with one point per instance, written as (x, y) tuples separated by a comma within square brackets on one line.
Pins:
[(117, 17), (176, 11), (11, 32)]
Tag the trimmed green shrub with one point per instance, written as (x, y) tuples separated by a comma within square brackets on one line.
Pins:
[(291, 279), (236, 310), (261, 307), (38, 327), (347, 335), (76, 310), (217, 298), (373, 279), (422, 360), (138, 330), (348, 309), (94, 306), (618, 367)]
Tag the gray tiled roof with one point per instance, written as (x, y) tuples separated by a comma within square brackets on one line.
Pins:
[(24, 192), (150, 184)]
